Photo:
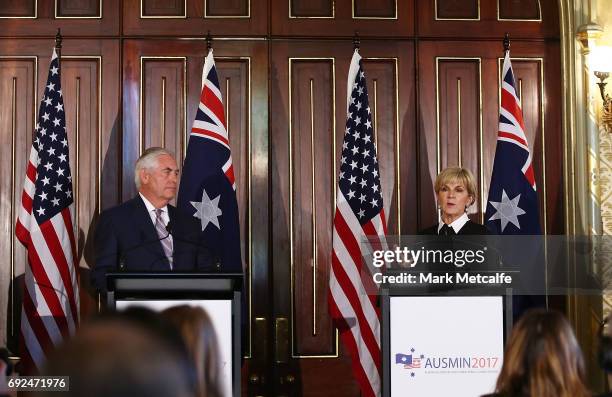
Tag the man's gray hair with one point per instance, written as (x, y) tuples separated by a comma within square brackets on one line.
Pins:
[(148, 160)]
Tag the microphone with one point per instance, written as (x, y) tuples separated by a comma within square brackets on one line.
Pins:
[(122, 255), (175, 237)]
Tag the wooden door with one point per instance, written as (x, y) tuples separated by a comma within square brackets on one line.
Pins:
[(308, 94)]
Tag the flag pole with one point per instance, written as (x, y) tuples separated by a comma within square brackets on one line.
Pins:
[(506, 43), (356, 41), (208, 42), (58, 47)]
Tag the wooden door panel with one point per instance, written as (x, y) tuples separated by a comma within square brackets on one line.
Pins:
[(308, 94), (439, 112), (342, 18), (242, 71), (73, 17), (162, 92), (195, 18), (78, 8), (90, 85), (458, 135), (524, 19), (312, 177), (18, 101)]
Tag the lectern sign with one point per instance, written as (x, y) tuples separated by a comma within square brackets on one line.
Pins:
[(445, 346)]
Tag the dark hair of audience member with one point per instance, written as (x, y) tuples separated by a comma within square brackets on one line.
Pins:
[(201, 340), (153, 322), (542, 359), (116, 358)]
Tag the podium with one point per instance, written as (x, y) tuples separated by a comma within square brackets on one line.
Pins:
[(217, 293), (442, 342)]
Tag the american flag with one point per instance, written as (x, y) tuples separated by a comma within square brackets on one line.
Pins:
[(416, 363), (44, 226), (359, 224), (208, 187), (512, 206)]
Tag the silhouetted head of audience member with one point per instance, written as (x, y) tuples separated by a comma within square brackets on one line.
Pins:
[(116, 358), (201, 341), (542, 359), (605, 346)]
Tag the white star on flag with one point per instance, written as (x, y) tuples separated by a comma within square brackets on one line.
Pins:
[(507, 210), (207, 210)]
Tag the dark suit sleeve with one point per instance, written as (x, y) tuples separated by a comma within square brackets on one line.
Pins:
[(106, 249)]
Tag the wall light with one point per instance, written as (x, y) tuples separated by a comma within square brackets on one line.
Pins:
[(601, 64)]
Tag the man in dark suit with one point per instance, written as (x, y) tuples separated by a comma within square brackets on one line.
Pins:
[(146, 233)]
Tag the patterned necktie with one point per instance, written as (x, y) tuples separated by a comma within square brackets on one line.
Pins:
[(447, 230), (163, 234)]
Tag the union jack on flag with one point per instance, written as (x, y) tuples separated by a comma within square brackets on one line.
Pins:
[(44, 226), (512, 206), (359, 226), (207, 189)]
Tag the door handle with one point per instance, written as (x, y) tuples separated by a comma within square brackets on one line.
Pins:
[(281, 333)]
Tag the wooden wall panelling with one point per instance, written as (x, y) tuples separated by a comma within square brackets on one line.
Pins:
[(375, 8), (548, 179), (243, 77), (452, 18), (78, 8), (455, 9), (382, 76), (390, 18), (19, 9), (162, 110), (227, 8), (90, 73), (74, 17), (459, 131), (18, 97), (312, 173), (301, 352), (312, 9), (81, 89), (163, 8), (519, 10), (196, 17)]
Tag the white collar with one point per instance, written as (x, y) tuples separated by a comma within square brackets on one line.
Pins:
[(151, 207), (457, 224)]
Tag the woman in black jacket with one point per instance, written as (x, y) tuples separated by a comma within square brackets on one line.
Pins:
[(455, 192)]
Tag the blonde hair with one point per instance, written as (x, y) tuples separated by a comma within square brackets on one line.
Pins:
[(147, 161), (457, 174), (542, 358), (201, 341)]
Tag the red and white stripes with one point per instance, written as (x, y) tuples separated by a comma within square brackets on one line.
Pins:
[(50, 302), (353, 293)]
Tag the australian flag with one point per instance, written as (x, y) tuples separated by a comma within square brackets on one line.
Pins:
[(512, 206), (208, 187)]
